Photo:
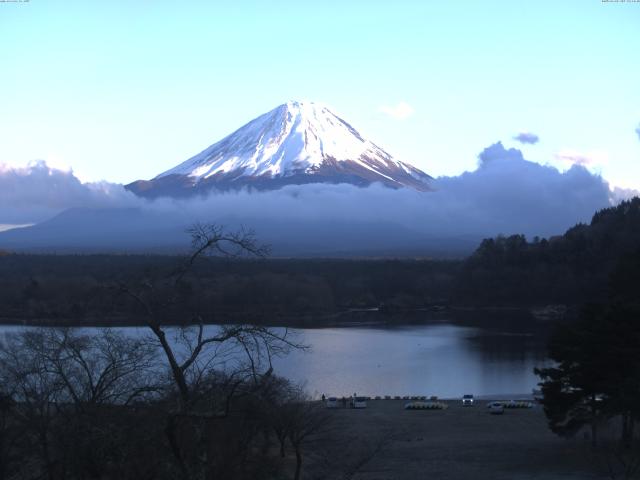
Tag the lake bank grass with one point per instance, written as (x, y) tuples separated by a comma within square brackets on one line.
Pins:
[(455, 443)]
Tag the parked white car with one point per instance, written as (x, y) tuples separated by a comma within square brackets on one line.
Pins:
[(496, 408), (331, 402), (467, 400)]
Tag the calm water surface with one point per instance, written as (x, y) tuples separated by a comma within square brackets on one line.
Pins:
[(443, 359)]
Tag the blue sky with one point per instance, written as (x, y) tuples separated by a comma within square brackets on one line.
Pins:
[(125, 90)]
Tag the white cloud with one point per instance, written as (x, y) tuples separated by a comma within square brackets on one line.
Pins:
[(400, 111), (618, 194), (505, 194), (574, 157), (38, 191)]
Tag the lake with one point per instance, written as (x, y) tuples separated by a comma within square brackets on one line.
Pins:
[(443, 359)]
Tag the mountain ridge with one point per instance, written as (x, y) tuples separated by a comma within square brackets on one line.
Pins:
[(295, 143)]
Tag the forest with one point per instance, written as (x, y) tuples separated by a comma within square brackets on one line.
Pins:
[(505, 271)]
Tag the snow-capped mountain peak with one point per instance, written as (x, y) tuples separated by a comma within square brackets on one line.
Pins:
[(297, 142)]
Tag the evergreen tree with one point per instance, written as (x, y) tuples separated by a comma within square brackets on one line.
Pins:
[(596, 375)]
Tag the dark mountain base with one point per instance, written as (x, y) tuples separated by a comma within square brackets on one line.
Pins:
[(130, 230)]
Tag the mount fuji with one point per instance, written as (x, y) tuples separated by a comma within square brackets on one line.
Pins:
[(295, 143)]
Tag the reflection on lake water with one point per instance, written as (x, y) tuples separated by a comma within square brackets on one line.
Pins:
[(443, 360), (440, 359)]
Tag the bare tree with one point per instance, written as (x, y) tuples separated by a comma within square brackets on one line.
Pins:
[(279, 396), (9, 435), (196, 349), (305, 420), (106, 368), (101, 406), (193, 351), (36, 390), (63, 382)]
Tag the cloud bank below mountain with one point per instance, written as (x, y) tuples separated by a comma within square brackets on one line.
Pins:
[(37, 192), (506, 194)]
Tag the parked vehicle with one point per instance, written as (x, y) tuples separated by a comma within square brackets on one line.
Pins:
[(331, 402), (496, 408), (359, 402), (467, 400)]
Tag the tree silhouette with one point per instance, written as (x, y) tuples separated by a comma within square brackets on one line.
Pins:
[(596, 375)]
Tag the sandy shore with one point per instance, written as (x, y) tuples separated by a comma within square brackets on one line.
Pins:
[(384, 441)]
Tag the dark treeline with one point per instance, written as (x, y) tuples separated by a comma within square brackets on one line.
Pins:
[(571, 269), (568, 269), (85, 288)]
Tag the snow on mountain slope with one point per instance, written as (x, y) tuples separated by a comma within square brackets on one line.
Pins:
[(298, 142)]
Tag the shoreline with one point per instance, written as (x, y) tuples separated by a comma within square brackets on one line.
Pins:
[(349, 318)]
